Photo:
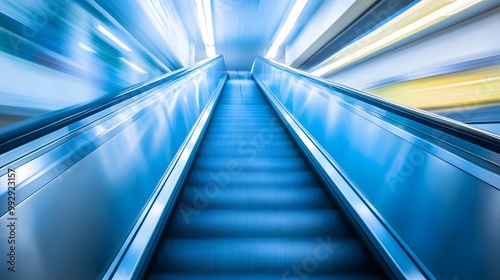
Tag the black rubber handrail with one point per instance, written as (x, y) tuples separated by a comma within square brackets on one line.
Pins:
[(477, 137), (23, 132)]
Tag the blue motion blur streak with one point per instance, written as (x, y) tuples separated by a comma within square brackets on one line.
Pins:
[(82, 188), (58, 53)]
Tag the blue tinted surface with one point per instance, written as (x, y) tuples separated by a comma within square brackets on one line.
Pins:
[(442, 201), (251, 206)]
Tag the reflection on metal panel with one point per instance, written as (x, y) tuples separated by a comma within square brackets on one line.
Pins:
[(437, 191), (79, 195)]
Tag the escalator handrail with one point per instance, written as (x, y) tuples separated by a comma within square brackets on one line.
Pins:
[(23, 132), (478, 137)]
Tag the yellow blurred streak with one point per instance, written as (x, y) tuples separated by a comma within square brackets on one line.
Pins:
[(417, 18), (464, 89)]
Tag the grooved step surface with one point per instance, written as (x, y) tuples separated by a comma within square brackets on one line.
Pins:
[(252, 208)]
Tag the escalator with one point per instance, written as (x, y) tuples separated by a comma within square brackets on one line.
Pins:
[(284, 176), (252, 208)]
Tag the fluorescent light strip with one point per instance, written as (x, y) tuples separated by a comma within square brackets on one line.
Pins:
[(374, 41), (208, 17), (162, 15), (85, 47), (113, 38), (201, 20), (204, 12), (135, 67), (297, 9)]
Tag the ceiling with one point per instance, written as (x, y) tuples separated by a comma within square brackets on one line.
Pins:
[(243, 29)]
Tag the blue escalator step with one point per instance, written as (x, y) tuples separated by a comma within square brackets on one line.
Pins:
[(258, 197), (258, 143), (264, 255), (289, 274), (245, 137), (260, 178), (251, 150), (256, 223), (227, 164)]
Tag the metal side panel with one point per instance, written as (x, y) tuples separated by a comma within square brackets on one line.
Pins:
[(82, 197), (130, 261), (436, 192), (393, 257)]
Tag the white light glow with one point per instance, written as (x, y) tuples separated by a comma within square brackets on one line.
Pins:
[(204, 12), (85, 47), (377, 40), (162, 14), (113, 38), (135, 67), (210, 51), (208, 17), (297, 9)]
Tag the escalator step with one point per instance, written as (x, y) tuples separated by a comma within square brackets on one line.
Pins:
[(261, 178), (296, 223), (258, 197), (256, 164), (301, 274), (265, 255)]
